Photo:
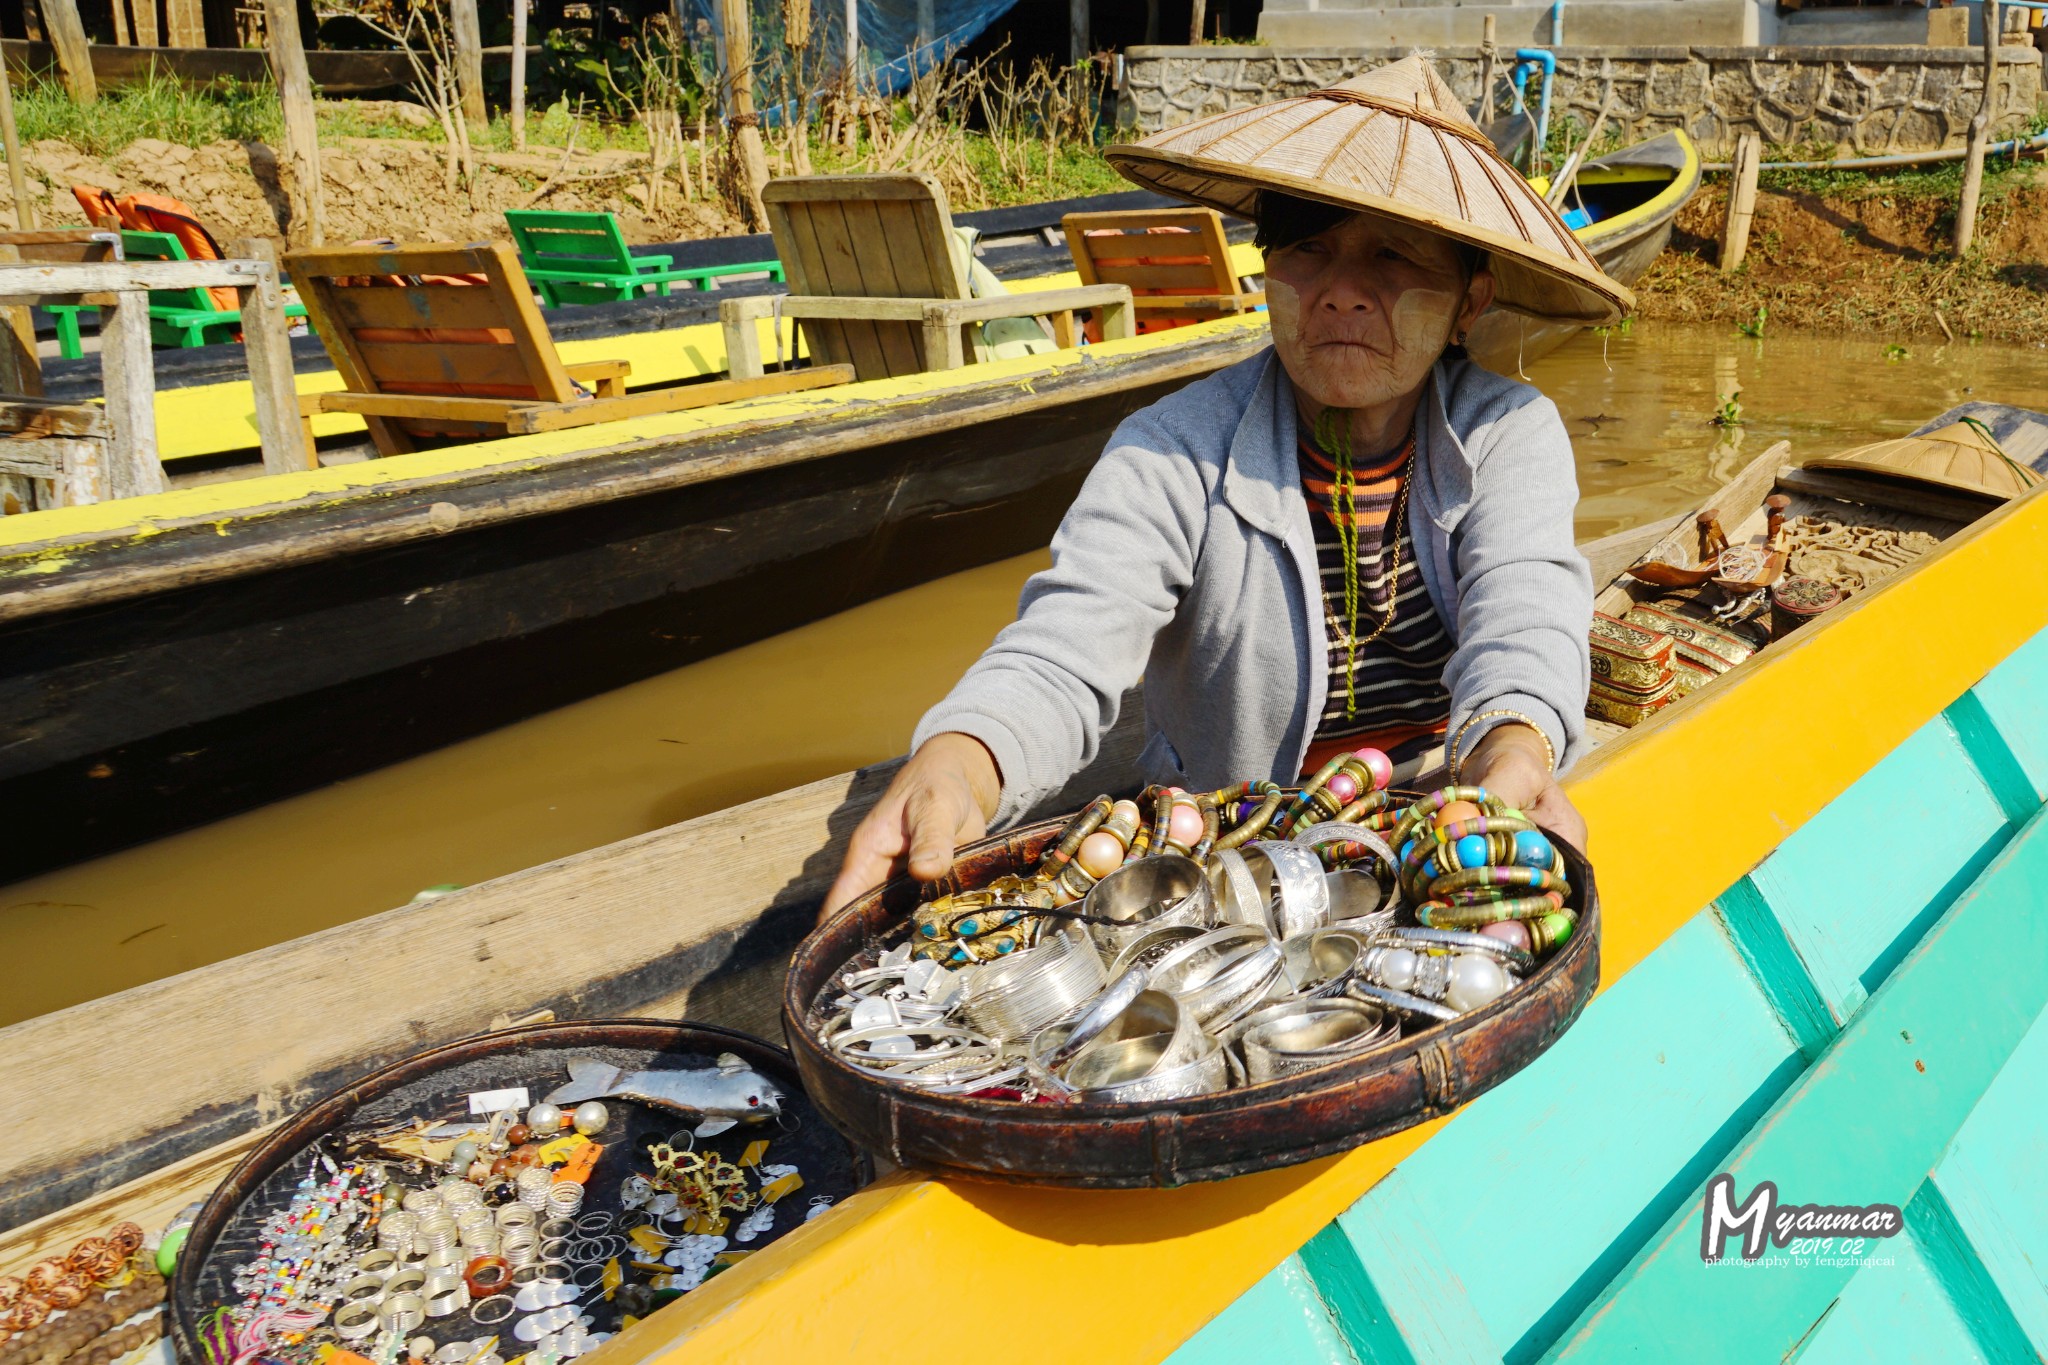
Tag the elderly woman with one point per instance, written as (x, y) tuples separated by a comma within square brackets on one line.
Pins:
[(1359, 538)]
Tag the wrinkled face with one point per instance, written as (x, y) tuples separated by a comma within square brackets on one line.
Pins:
[(1363, 309)]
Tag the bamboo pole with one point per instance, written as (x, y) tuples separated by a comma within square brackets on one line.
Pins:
[(10, 138), (1980, 134), (1749, 149), (737, 57), (469, 60), (74, 54), (519, 74), (305, 195), (1488, 53)]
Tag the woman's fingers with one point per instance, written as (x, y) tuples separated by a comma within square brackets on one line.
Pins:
[(932, 823), (872, 854), (1554, 811)]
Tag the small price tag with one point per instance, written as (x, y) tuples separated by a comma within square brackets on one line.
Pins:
[(495, 1101)]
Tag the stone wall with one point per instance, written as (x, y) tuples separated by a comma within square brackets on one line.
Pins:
[(1862, 101)]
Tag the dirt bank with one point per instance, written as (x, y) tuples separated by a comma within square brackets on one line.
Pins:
[(375, 187), (1871, 259)]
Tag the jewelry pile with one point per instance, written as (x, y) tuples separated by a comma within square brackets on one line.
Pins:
[(528, 1230), (1237, 936)]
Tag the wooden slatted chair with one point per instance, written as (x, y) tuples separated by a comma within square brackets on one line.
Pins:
[(875, 281), (443, 343), (1175, 283)]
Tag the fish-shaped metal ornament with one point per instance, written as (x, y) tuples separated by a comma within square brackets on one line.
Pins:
[(725, 1095)]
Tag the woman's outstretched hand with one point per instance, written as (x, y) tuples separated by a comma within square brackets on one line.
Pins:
[(1513, 763), (943, 797)]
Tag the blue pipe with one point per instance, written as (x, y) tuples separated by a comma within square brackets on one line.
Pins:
[(1557, 23), (1525, 57)]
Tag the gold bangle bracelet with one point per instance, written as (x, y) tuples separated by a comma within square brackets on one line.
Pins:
[(1505, 713)]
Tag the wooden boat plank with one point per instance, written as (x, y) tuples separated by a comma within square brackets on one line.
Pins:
[(1585, 1137), (1910, 1066), (2004, 702), (1282, 1317), (1875, 494), (1929, 785), (1212, 1243)]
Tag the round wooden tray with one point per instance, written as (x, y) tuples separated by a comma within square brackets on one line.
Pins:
[(1212, 1137), (434, 1082)]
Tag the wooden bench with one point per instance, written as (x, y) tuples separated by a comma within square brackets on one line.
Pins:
[(443, 343), (875, 283), (583, 258)]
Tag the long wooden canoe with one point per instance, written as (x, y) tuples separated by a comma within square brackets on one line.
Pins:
[(1822, 969)]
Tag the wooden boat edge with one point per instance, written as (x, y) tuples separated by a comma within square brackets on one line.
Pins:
[(109, 551)]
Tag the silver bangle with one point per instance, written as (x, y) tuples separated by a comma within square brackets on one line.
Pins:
[(1105, 1011), (402, 1312), (1400, 1000), (1240, 900), (354, 1321), (496, 1316), (1300, 900)]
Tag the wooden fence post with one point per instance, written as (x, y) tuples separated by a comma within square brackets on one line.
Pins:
[(10, 139), (1741, 201), (1078, 43), (128, 377), (267, 347), (1489, 50), (74, 54), (1980, 134), (519, 74), (21, 368), (744, 123), (1201, 12), (287, 55), (469, 60)]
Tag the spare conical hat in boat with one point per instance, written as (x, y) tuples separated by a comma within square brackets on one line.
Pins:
[(1958, 456), (1395, 142)]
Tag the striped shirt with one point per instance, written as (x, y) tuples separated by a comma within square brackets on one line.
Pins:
[(1403, 706)]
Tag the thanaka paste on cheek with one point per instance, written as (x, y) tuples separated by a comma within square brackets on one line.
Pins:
[(1422, 320)]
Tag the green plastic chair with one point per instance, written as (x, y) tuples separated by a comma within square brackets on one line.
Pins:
[(177, 317), (582, 258)]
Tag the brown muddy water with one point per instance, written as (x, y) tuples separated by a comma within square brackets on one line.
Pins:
[(846, 691)]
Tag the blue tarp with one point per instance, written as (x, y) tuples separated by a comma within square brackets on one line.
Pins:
[(890, 53)]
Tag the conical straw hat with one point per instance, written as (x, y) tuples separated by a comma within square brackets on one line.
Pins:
[(1961, 456), (1394, 141)]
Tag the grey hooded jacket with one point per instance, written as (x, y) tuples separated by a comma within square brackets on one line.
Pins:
[(1188, 558)]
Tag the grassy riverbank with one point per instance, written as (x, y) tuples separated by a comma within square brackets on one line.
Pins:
[(1867, 254)]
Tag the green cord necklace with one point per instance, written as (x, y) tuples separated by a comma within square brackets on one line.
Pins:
[(1333, 433)]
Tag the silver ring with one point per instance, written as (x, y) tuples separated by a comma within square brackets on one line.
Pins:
[(1400, 1000), (554, 1272), (599, 1221), (1514, 959), (557, 1227), (523, 1275), (554, 1248), (576, 1275), (477, 1315)]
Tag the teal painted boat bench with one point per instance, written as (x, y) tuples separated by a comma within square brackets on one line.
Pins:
[(583, 258), (1859, 1021), (177, 317)]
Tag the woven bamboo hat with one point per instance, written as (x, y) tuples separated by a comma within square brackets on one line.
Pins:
[(1395, 142), (1962, 456)]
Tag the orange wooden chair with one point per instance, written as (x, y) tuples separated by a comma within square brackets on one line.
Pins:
[(1173, 283), (439, 344)]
